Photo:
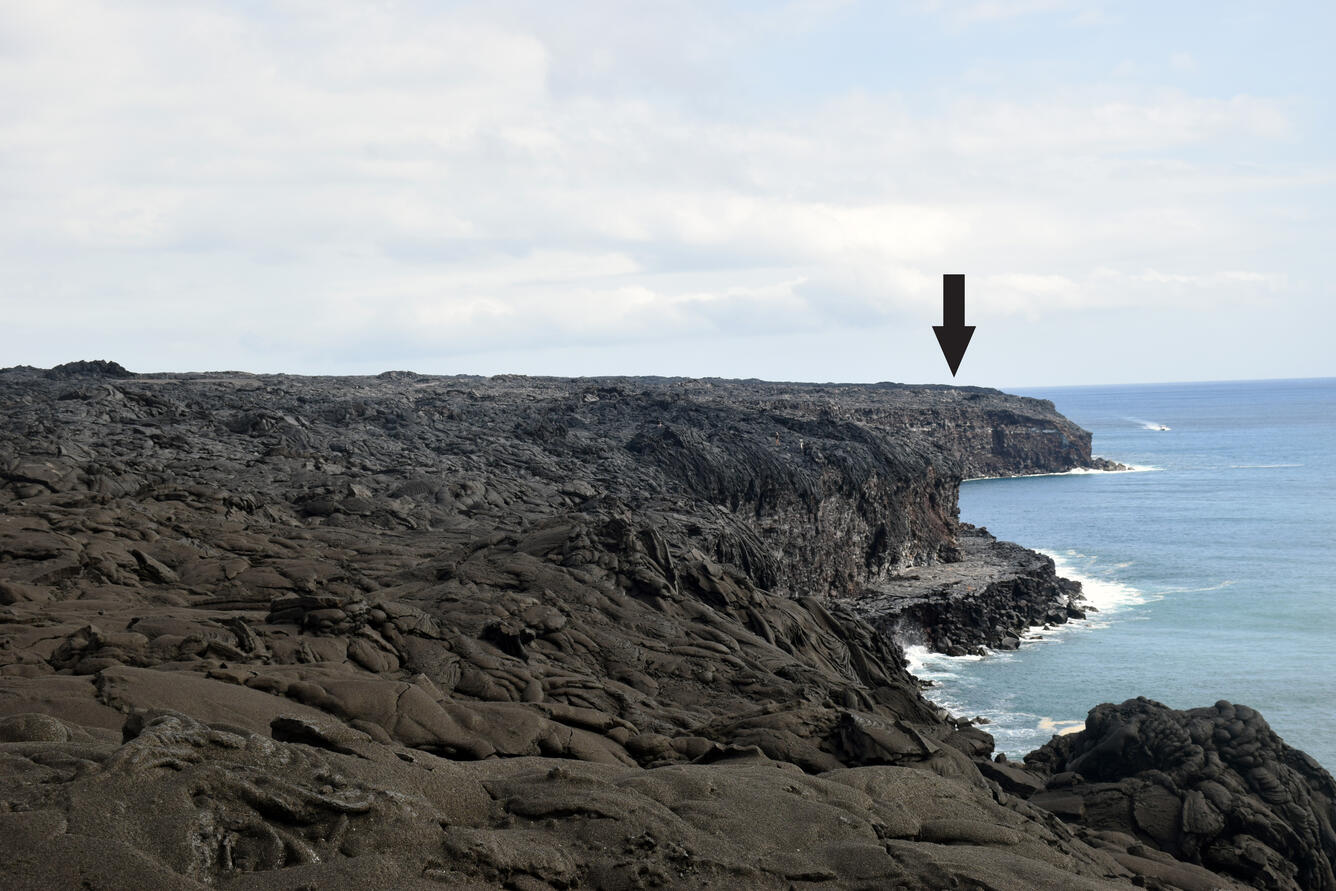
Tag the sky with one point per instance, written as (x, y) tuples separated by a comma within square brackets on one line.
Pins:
[(1135, 191)]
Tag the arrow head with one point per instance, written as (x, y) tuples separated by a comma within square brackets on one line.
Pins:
[(954, 341)]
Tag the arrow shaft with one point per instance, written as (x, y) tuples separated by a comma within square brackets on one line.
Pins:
[(953, 301)]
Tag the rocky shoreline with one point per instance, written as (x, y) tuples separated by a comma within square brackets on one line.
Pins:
[(988, 596), (420, 632)]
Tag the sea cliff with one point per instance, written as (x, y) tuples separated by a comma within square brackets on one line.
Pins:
[(415, 631)]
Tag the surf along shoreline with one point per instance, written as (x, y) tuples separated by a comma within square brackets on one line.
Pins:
[(1000, 599)]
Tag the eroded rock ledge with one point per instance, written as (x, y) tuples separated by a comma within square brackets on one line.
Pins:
[(406, 631), (988, 596)]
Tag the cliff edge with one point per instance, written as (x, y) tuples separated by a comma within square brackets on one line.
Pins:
[(411, 631)]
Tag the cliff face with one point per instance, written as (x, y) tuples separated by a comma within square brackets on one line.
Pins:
[(502, 510), (822, 488), (385, 632)]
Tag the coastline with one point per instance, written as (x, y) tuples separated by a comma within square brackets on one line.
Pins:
[(526, 621), (1101, 599), (1075, 471), (988, 597)]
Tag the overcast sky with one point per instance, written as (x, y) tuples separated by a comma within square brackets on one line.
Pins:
[(1135, 191)]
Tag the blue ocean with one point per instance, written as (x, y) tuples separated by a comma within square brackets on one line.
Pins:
[(1213, 564)]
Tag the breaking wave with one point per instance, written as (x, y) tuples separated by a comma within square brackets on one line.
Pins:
[(1076, 471)]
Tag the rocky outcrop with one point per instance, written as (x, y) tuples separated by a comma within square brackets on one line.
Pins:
[(409, 631), (988, 596), (1211, 786), (89, 368)]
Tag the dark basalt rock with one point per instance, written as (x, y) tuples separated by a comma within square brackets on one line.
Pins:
[(988, 596), (413, 631), (95, 368), (1213, 786)]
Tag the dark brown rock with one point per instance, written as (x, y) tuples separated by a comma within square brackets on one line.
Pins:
[(410, 631), (1211, 786)]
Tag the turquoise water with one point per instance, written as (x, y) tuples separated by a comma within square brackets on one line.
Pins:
[(1216, 568)]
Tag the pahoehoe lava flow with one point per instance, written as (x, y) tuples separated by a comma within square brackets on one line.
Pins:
[(413, 631)]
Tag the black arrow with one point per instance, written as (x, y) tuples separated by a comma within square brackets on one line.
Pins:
[(953, 334)]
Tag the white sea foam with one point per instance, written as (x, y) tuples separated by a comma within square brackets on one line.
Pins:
[(1014, 731), (1105, 595), (1128, 468), (924, 663), (1108, 598), (1075, 471), (1062, 728), (1217, 587)]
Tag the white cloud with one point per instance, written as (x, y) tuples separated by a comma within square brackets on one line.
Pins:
[(342, 177)]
